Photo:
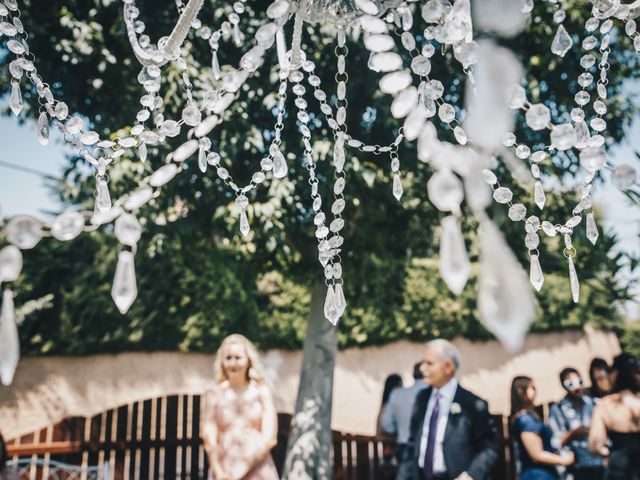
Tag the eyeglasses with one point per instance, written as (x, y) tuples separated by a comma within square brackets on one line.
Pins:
[(573, 384)]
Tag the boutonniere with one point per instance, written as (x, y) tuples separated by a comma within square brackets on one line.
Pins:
[(455, 408)]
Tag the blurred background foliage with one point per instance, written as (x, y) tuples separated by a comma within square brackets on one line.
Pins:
[(198, 280)]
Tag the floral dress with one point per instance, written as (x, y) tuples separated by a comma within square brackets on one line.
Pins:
[(238, 420)]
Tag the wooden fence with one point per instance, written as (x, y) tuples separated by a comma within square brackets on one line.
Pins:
[(160, 439)]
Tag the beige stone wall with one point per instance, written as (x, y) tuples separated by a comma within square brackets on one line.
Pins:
[(45, 390)]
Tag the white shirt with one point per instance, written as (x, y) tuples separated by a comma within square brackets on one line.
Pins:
[(447, 393)]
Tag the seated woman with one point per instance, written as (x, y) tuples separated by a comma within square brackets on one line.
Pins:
[(239, 422), (617, 418), (533, 438)]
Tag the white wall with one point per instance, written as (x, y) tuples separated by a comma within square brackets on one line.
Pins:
[(45, 390)]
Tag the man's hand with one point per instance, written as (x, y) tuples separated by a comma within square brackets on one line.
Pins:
[(464, 476)]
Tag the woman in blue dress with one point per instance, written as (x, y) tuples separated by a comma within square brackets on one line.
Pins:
[(538, 460)]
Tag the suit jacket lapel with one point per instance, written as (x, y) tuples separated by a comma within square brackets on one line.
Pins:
[(423, 400), (452, 421), (423, 409)]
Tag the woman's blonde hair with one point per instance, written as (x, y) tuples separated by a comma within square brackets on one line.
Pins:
[(255, 371)]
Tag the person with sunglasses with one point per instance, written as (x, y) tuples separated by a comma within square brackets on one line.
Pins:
[(570, 420)]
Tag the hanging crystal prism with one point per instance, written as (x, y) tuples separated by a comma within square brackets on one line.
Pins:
[(237, 35), (215, 65), (280, 168), (505, 299), (341, 302), (539, 196), (397, 187), (339, 154), (244, 223), (562, 42), (124, 290), (592, 229), (15, 103), (202, 159), (536, 277), (103, 198), (142, 152), (582, 134), (454, 262), (573, 280), (43, 128), (330, 306), (9, 340)]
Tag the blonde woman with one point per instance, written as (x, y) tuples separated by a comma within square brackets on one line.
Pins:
[(239, 421)]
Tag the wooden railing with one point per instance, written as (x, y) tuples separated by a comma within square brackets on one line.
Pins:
[(160, 439)]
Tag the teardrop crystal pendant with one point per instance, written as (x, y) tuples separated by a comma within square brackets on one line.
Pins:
[(397, 187), (43, 128), (330, 306), (454, 262), (505, 300), (142, 152), (237, 35), (16, 99), (202, 159), (536, 277), (103, 198), (215, 65), (592, 229), (124, 290), (341, 302), (9, 341), (539, 196), (244, 223), (573, 280), (280, 168)]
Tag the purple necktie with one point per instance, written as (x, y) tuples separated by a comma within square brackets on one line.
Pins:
[(427, 468)]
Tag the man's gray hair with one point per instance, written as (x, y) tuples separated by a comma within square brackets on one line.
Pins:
[(448, 350)]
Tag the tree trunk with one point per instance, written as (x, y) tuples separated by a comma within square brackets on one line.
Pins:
[(310, 440)]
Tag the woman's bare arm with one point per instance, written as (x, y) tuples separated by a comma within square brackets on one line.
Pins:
[(598, 432), (533, 444), (209, 432)]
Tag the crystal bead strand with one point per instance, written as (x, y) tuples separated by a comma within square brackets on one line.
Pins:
[(631, 29), (341, 51), (328, 251), (72, 127), (336, 240), (430, 91), (598, 123)]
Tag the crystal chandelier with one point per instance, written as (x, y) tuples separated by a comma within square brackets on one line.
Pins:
[(461, 172)]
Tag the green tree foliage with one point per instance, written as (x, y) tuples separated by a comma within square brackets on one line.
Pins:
[(198, 280)]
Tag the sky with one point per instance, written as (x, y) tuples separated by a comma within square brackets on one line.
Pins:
[(22, 192)]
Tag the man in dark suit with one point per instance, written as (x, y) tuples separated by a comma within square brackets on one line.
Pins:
[(452, 434)]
